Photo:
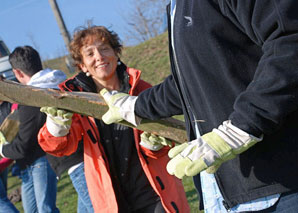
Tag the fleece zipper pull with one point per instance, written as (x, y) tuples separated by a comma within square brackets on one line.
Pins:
[(225, 204)]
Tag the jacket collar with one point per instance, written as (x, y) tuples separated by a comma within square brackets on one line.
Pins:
[(129, 78)]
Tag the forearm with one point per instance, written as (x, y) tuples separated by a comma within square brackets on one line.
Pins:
[(160, 101), (64, 145)]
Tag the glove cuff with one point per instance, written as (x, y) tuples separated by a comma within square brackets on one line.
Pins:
[(151, 147), (1, 150), (56, 129), (127, 110), (234, 136)]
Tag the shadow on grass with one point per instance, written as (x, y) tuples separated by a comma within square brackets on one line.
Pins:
[(63, 186), (14, 186), (63, 183), (192, 195), (14, 182)]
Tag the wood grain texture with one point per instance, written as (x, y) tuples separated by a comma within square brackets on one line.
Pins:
[(89, 104)]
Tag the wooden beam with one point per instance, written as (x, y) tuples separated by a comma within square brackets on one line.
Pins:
[(84, 103)]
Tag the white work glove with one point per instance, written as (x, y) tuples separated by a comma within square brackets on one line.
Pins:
[(121, 107), (153, 142), (3, 142), (58, 120), (209, 151)]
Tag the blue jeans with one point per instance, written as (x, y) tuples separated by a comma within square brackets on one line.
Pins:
[(79, 183), (287, 203), (39, 187), (5, 205)]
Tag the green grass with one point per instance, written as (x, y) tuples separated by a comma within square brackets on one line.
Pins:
[(191, 194), (151, 57), (66, 196)]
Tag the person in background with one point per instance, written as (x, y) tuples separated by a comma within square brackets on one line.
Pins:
[(125, 171), (73, 163), (5, 205), (235, 78), (39, 184)]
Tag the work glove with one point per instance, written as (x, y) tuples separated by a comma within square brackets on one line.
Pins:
[(153, 142), (121, 107), (209, 151), (3, 140), (58, 120)]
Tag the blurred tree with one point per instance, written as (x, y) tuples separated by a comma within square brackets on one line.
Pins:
[(146, 19)]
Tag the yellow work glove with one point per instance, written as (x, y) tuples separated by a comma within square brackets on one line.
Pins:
[(153, 142), (58, 120), (121, 107), (2, 139), (209, 151)]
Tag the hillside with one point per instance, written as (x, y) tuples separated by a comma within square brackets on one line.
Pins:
[(151, 57)]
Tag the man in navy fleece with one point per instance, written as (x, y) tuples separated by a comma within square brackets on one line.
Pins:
[(234, 66)]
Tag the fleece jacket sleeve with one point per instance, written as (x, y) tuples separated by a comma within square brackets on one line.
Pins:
[(272, 95), (160, 101)]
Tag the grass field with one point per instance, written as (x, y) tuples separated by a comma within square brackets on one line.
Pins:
[(67, 197)]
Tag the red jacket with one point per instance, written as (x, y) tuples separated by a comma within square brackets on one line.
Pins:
[(4, 163), (169, 188)]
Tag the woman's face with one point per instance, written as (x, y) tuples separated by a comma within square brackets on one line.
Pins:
[(99, 59)]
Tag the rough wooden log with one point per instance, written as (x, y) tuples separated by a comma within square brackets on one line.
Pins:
[(89, 104)]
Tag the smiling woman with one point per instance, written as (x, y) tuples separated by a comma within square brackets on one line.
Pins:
[(96, 52), (123, 173), (100, 61)]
